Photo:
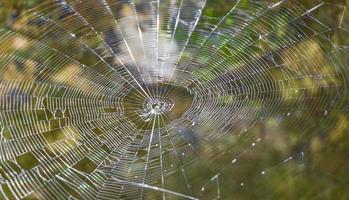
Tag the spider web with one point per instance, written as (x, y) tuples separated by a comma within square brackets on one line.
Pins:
[(167, 99)]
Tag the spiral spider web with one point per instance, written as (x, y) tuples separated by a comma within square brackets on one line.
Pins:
[(126, 99)]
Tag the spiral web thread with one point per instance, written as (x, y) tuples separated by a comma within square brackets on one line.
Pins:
[(67, 67)]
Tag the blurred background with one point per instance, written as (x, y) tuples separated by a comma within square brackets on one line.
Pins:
[(300, 154)]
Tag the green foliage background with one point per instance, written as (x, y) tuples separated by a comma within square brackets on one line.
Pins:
[(321, 174)]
